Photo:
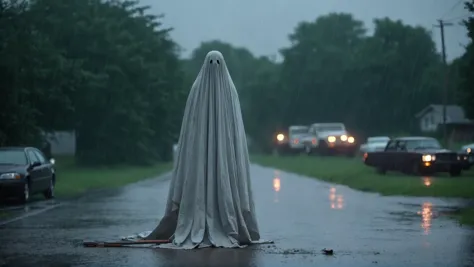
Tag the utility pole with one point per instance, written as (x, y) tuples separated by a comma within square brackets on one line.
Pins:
[(441, 25)]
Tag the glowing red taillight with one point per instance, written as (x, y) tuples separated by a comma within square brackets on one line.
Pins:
[(313, 141)]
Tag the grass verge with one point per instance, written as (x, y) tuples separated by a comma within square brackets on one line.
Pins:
[(353, 173), (466, 216), (73, 180)]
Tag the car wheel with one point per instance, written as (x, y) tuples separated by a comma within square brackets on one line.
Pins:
[(455, 172), (49, 193), (26, 193)]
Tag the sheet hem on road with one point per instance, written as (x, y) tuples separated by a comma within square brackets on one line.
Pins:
[(143, 235)]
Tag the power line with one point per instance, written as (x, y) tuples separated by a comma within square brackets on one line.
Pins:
[(452, 8), (458, 18)]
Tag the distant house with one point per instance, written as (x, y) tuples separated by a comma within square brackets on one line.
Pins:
[(459, 127), (432, 116), (62, 142)]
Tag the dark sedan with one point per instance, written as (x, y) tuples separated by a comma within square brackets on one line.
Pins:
[(25, 171), (417, 155)]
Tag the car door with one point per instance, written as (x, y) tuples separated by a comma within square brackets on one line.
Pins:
[(35, 173), (46, 170), (400, 156), (387, 161)]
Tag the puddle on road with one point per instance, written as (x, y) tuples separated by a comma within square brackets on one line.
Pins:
[(424, 214)]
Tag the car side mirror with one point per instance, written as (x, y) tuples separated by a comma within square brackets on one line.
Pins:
[(52, 161), (35, 164)]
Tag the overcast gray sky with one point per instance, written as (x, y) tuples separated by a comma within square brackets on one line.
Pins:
[(263, 26)]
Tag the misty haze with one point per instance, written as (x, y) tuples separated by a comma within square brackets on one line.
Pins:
[(237, 133)]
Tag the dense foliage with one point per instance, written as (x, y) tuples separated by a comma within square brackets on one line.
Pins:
[(109, 71), (466, 66), (105, 69), (336, 72)]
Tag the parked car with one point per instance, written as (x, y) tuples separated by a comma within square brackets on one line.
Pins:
[(329, 138), (289, 142), (415, 155), (467, 154), (374, 143), (25, 171)]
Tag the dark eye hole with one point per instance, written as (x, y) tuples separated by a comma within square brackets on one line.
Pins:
[(218, 62), (210, 61)]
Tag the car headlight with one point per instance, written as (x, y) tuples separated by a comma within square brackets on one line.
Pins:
[(428, 158), (280, 137), (343, 137), (468, 150), (351, 139), (12, 175), (331, 139)]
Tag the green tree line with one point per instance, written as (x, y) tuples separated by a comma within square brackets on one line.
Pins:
[(111, 72), (106, 69), (335, 71)]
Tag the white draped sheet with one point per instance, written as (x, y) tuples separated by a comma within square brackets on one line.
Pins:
[(210, 200)]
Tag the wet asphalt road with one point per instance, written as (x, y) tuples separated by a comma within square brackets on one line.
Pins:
[(301, 215)]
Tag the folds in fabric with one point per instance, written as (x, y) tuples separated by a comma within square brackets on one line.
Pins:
[(210, 200)]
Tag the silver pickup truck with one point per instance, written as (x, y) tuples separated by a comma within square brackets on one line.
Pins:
[(289, 142), (329, 138)]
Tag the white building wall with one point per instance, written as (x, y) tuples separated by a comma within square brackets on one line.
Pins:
[(62, 143)]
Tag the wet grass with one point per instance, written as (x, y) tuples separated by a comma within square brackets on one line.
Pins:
[(466, 216), (353, 173), (73, 180)]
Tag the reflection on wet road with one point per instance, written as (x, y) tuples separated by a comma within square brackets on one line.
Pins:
[(426, 217), (301, 215), (337, 200), (276, 185)]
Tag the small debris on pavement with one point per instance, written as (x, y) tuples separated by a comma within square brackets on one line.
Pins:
[(327, 251)]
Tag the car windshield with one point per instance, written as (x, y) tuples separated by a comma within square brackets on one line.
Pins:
[(299, 131), (377, 140), (425, 143), (379, 143), (331, 128), (468, 146), (16, 157)]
